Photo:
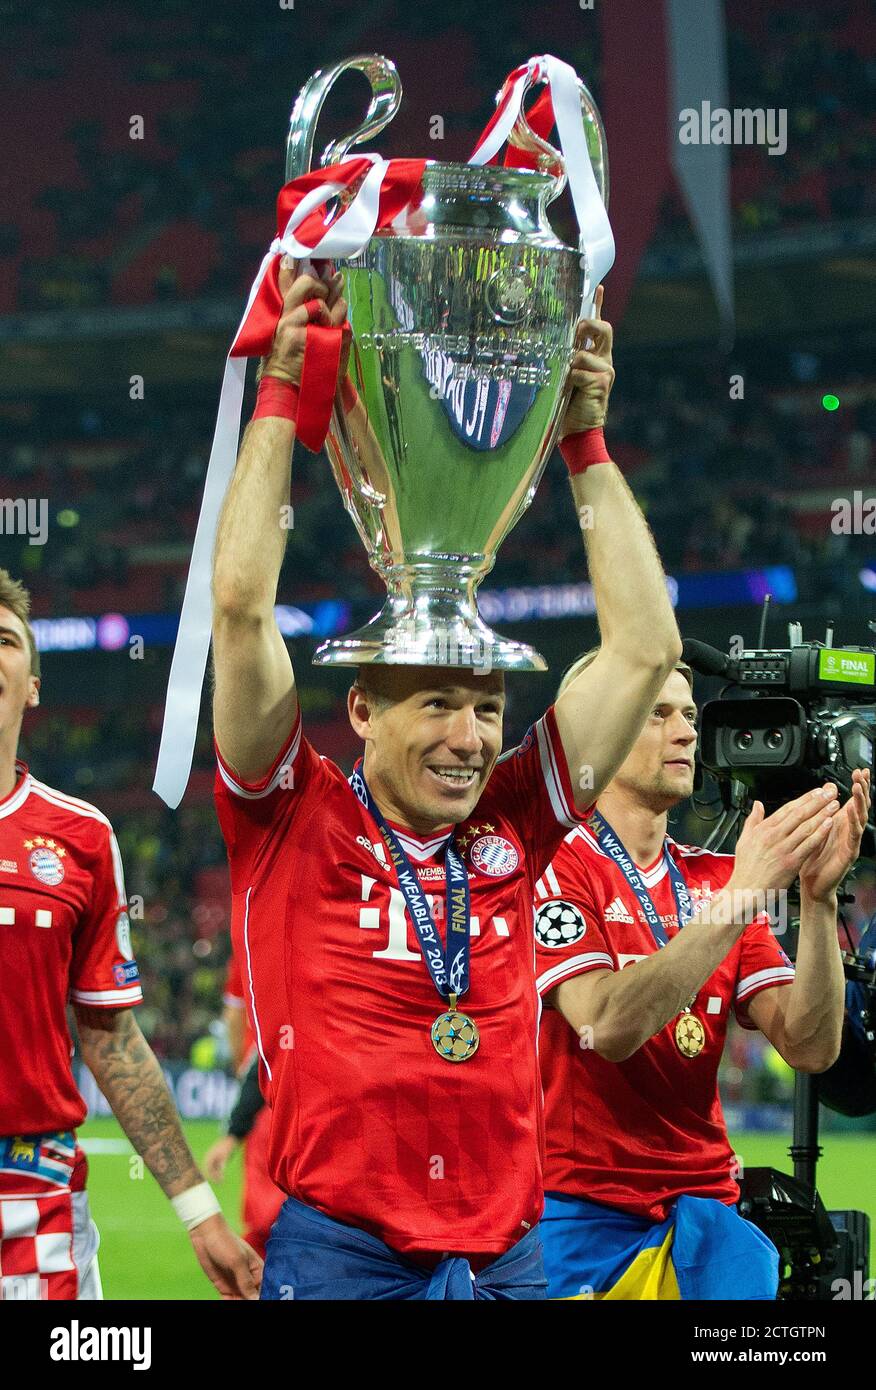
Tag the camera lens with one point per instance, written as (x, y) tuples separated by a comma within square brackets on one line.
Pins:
[(743, 739), (774, 738)]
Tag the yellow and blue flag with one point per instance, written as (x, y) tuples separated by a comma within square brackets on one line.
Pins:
[(703, 1250)]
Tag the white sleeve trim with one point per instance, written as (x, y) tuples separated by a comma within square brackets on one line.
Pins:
[(118, 871), (255, 1012), (132, 995), (775, 975), (287, 758), (548, 884), (575, 965), (565, 814)]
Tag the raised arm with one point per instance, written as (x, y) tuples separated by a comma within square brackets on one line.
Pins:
[(254, 697), (601, 713)]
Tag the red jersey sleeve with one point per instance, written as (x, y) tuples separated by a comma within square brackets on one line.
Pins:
[(531, 785), (569, 935), (762, 965), (103, 972), (250, 811)]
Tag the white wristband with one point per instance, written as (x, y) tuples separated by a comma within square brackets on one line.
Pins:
[(195, 1205)]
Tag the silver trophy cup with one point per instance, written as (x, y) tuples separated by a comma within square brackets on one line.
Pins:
[(463, 316)]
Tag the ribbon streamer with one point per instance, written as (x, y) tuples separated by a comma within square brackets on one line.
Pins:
[(595, 236), (386, 188)]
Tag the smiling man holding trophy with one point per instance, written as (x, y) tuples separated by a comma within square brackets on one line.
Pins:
[(385, 919)]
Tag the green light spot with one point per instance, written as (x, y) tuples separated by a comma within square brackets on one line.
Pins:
[(68, 517), (830, 402)]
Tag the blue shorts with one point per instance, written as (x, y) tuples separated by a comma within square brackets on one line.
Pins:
[(311, 1256)]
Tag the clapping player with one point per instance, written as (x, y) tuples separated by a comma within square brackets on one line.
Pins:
[(64, 935), (396, 1033), (644, 948)]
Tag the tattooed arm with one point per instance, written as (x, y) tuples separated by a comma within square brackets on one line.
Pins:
[(127, 1071)]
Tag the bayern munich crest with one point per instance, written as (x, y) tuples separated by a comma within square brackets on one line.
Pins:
[(45, 864), (558, 923), (494, 855)]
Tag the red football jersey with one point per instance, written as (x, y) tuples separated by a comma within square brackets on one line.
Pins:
[(369, 1123), (262, 1198), (636, 1134), (64, 935)]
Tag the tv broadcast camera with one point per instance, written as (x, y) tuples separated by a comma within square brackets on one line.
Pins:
[(787, 720), (804, 715)]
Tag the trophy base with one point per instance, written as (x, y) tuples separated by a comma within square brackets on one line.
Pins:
[(420, 631)]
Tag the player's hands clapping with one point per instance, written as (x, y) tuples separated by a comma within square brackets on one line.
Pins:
[(287, 356), (771, 850), (827, 865), (592, 374), (228, 1262)]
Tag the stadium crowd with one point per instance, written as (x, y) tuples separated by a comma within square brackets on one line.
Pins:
[(184, 208), (123, 483)]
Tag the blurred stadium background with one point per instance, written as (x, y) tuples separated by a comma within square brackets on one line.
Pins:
[(124, 258)]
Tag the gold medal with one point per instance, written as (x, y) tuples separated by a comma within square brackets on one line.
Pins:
[(455, 1036), (690, 1035)]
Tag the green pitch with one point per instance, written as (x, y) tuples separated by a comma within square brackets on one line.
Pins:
[(145, 1253)]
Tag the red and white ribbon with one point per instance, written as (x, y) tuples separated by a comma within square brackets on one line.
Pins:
[(306, 232), (596, 240), (302, 233)]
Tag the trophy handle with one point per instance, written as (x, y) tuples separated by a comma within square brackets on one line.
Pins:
[(549, 159), (386, 94)]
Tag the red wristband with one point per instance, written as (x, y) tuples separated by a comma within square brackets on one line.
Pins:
[(276, 398), (279, 398), (580, 451)]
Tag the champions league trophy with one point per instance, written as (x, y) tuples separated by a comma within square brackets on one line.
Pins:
[(462, 303), (463, 315)]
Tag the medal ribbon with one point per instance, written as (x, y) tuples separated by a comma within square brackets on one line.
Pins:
[(447, 964), (611, 845)]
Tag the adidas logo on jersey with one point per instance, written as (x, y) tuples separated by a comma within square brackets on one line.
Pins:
[(376, 849), (617, 912)]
